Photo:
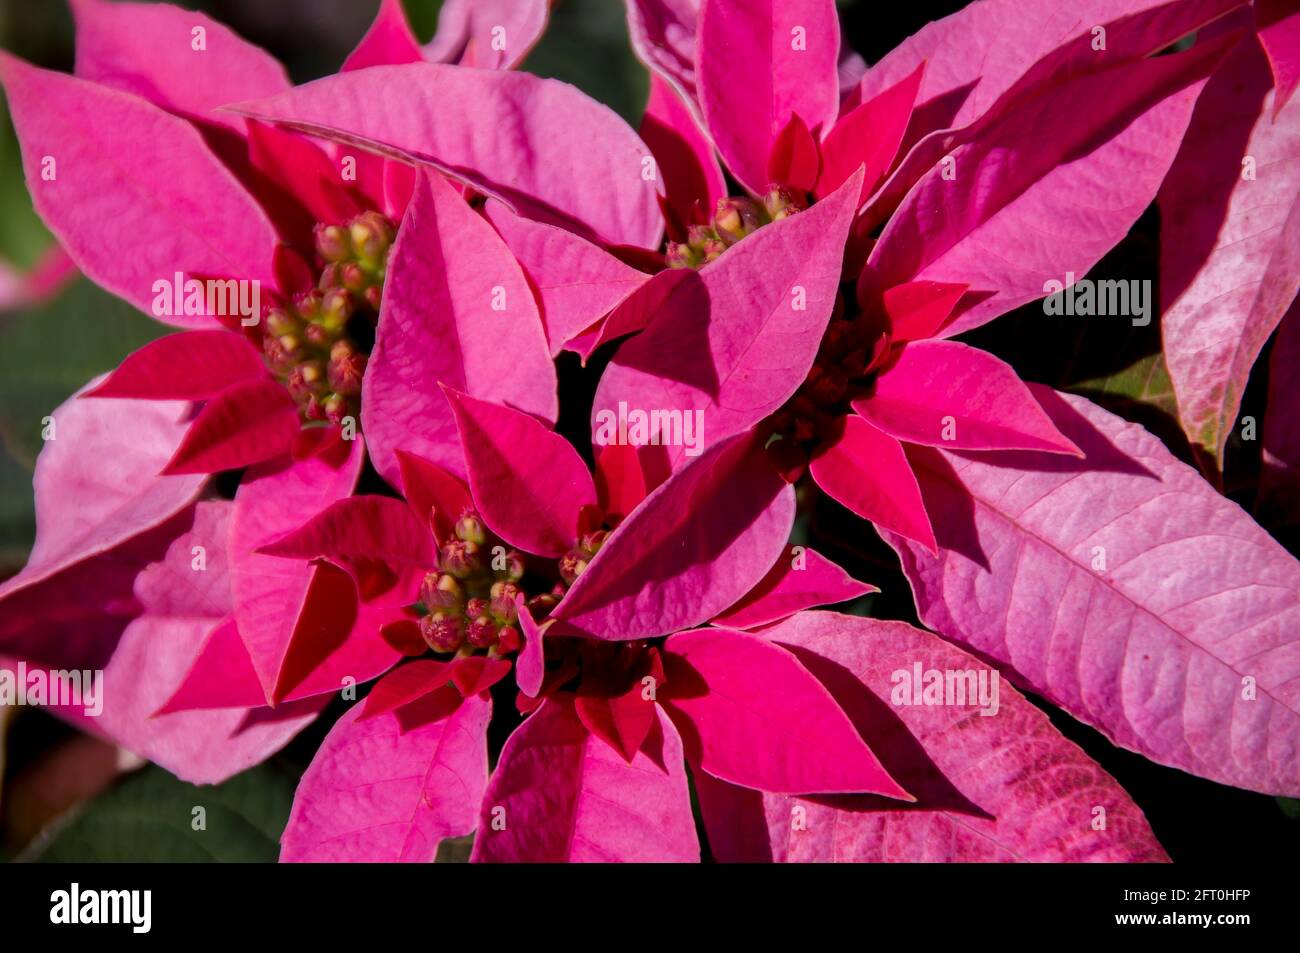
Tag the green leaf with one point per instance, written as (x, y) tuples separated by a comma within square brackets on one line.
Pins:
[(150, 816)]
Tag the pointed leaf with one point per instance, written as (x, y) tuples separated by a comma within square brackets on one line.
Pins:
[(389, 789), (487, 34), (577, 283), (148, 49), (1230, 244), (1038, 171), (250, 421), (749, 713), (695, 545), (388, 42), (866, 470), (192, 365), (269, 592), (568, 797), (528, 482), (868, 136), (534, 143), (98, 482), (683, 154), (759, 63), (360, 527), (434, 495), (124, 230), (457, 311), (1124, 589), (767, 299), (994, 782), (801, 579), (947, 394)]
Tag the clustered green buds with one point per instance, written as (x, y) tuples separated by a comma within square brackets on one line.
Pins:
[(470, 600), (574, 562), (311, 344), (732, 220)]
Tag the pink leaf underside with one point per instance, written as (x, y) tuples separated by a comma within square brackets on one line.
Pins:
[(663, 37), (389, 789), (693, 547), (148, 49), (567, 796), (191, 365), (1046, 190), (1280, 479), (1279, 32), (389, 41), (577, 283), (528, 482), (98, 482), (1230, 265), (730, 344), (683, 154), (866, 470), (982, 60), (250, 421), (759, 62), (935, 383), (187, 216), (457, 311), (751, 714), (269, 591), (536, 144), (999, 787), (1125, 590), (180, 604), (869, 135), (801, 579), (488, 34)]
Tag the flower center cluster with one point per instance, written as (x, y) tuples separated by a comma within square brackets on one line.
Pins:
[(469, 602), (318, 345), (733, 219)]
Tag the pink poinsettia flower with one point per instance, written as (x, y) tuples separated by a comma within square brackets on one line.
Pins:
[(619, 688), (271, 250), (986, 203)]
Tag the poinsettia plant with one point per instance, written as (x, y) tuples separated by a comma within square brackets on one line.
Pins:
[(526, 438)]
